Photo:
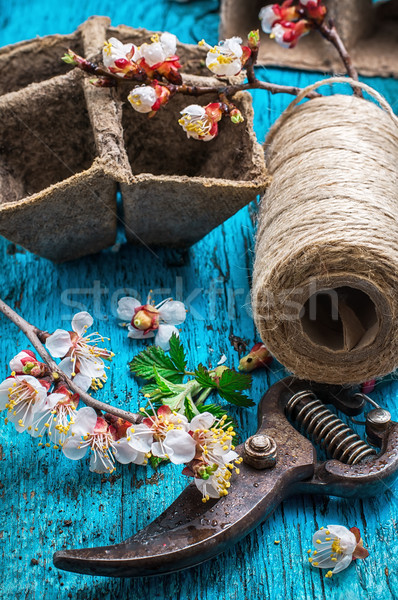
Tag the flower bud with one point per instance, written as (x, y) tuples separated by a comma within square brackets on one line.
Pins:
[(258, 356), (236, 116), (275, 13), (142, 98), (287, 34), (314, 9), (146, 318), (227, 58), (200, 122), (254, 39), (149, 98)]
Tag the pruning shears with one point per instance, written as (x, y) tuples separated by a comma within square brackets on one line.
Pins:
[(278, 461)]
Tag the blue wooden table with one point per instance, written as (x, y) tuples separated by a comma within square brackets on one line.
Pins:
[(48, 502)]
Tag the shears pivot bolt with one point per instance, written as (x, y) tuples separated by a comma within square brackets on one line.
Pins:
[(260, 452), (378, 418)]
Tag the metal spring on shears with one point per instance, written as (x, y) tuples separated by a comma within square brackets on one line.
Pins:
[(326, 429)]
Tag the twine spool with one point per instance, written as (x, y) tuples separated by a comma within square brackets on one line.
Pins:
[(325, 282)]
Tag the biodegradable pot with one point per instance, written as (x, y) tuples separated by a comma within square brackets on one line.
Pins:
[(369, 32), (67, 146), (183, 188)]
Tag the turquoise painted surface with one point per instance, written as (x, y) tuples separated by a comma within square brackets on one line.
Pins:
[(48, 503)]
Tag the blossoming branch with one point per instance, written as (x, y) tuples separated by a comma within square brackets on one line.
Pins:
[(42, 398), (152, 70)]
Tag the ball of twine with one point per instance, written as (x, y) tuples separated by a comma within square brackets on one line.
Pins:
[(325, 281)]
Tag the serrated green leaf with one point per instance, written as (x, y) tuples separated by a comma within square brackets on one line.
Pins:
[(143, 363), (232, 380), (230, 386), (203, 377), (236, 398), (177, 353), (167, 386)]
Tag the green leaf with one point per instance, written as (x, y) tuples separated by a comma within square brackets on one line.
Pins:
[(236, 398), (230, 387), (67, 58), (177, 353), (177, 402), (203, 377), (190, 409), (232, 380), (166, 386), (142, 365)]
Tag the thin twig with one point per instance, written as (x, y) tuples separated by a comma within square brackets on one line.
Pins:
[(329, 32), (34, 334), (194, 90), (249, 66), (231, 90)]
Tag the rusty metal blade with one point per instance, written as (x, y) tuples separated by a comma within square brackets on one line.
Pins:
[(190, 532)]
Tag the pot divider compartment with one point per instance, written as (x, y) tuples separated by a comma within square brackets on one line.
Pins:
[(184, 188), (66, 145), (35, 60), (55, 200)]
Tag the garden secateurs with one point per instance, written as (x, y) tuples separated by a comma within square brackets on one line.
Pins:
[(278, 461)]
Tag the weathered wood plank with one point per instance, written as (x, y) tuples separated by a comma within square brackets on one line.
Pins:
[(48, 503)]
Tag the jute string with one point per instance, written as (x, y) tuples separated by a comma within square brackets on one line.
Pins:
[(325, 282)]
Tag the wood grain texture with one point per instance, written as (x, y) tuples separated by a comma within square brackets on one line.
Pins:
[(49, 503)]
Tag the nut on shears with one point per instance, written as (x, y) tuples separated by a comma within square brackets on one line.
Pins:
[(260, 451)]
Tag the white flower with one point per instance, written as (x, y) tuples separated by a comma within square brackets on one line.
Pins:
[(161, 49), (56, 418), (214, 455), (197, 123), (19, 361), (177, 445), (279, 35), (335, 546), (213, 439), (225, 59), (269, 15), (23, 396), (135, 447), (92, 432), (171, 437), (216, 485), (145, 320), (82, 358), (142, 98), (115, 50)]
